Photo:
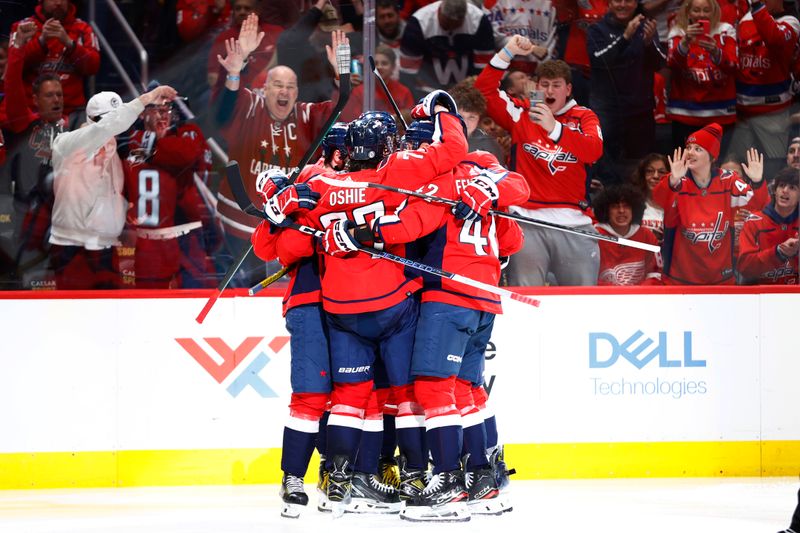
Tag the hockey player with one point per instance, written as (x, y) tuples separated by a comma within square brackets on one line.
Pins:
[(553, 142), (768, 243), (455, 323), (305, 322), (370, 302), (699, 201)]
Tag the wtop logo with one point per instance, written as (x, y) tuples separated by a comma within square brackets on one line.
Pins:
[(226, 360), (607, 353)]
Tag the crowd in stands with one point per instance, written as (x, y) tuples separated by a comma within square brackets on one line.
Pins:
[(632, 119)]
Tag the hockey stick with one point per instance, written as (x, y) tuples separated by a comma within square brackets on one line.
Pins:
[(223, 284), (535, 222), (239, 189), (386, 91), (422, 267), (255, 289)]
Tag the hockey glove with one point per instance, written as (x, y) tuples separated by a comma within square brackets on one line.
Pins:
[(424, 109), (337, 241), (287, 201), (269, 182), (478, 197)]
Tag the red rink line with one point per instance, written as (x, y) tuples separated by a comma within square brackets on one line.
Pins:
[(279, 292)]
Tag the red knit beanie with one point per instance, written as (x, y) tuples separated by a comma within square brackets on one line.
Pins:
[(707, 138)]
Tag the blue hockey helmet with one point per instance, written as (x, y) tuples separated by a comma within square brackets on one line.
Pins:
[(370, 137), (418, 132), (334, 139), (384, 117)]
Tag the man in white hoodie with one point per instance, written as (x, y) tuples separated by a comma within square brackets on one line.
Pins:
[(89, 209)]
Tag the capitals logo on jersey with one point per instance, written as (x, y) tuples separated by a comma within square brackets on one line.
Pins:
[(552, 156), (713, 235)]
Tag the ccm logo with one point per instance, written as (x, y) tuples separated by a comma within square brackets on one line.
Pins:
[(454, 358), (353, 369)]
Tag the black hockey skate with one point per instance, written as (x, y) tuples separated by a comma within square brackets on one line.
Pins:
[(340, 480), (293, 495), (368, 494), (484, 497), (501, 472), (501, 475), (443, 500), (412, 482)]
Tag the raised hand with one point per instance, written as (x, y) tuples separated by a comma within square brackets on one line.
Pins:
[(519, 45), (337, 37), (234, 57), (24, 34), (159, 96), (249, 36), (677, 165), (754, 166)]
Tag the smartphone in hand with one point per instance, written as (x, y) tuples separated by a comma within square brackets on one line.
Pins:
[(705, 24)]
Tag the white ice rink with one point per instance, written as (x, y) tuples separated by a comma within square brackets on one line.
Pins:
[(729, 505)]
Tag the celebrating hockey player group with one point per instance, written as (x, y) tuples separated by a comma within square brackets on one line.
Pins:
[(374, 340)]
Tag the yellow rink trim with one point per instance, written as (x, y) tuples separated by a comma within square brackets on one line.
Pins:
[(532, 461)]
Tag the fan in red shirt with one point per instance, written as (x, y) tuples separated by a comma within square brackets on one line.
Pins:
[(264, 131), (768, 243), (619, 210), (63, 44), (699, 201), (553, 143)]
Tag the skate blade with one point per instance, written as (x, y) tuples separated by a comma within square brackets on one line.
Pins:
[(373, 507), (338, 509), (492, 506), (292, 510), (323, 503), (450, 512)]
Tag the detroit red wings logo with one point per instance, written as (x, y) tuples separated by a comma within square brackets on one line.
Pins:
[(624, 274), (713, 235)]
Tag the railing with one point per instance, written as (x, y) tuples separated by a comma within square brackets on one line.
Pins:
[(144, 60)]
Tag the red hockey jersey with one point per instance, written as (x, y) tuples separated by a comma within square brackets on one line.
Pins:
[(587, 13), (467, 247), (759, 262), (360, 283), (554, 164), (259, 143), (304, 277), (698, 226), (625, 265), (703, 91), (766, 49), (156, 188)]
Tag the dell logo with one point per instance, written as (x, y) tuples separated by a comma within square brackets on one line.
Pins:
[(605, 350)]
